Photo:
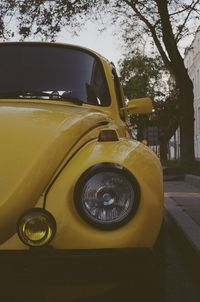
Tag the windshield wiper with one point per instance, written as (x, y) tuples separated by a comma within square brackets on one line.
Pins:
[(54, 95)]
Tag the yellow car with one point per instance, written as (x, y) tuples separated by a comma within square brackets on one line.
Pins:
[(74, 185)]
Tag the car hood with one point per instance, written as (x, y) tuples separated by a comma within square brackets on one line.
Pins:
[(35, 138)]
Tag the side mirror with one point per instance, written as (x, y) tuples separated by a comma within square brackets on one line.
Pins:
[(138, 106)]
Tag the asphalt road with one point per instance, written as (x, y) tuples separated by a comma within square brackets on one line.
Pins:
[(178, 279), (175, 281), (181, 276)]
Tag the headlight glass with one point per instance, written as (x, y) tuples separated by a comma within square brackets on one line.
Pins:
[(36, 227), (107, 197)]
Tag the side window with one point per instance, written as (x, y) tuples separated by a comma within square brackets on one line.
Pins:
[(118, 93), (97, 90)]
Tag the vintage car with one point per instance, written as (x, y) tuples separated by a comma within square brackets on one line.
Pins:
[(80, 199)]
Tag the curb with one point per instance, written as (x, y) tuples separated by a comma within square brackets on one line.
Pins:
[(173, 177), (183, 225), (193, 180)]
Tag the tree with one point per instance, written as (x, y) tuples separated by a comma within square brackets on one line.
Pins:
[(167, 118), (146, 76), (142, 75), (166, 21)]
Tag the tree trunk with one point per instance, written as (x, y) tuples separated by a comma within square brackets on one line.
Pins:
[(184, 84), (186, 122), (163, 150)]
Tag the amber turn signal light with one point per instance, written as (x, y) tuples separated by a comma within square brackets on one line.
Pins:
[(108, 135)]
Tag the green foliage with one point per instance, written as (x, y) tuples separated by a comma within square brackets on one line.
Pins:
[(143, 76)]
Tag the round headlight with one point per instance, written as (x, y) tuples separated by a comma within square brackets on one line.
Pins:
[(107, 195), (36, 227)]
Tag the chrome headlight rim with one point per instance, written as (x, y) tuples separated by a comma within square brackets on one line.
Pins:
[(106, 167), (42, 212)]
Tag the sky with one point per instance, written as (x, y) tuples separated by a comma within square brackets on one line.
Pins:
[(105, 43)]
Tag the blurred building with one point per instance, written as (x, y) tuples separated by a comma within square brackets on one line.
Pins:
[(192, 62)]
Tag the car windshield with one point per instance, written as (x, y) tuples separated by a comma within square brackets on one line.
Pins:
[(52, 72)]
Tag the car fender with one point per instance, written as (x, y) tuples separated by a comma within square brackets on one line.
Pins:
[(141, 231)]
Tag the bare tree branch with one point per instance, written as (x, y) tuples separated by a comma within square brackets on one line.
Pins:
[(153, 33), (177, 38), (179, 12)]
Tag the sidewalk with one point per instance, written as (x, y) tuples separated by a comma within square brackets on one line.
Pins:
[(182, 207)]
